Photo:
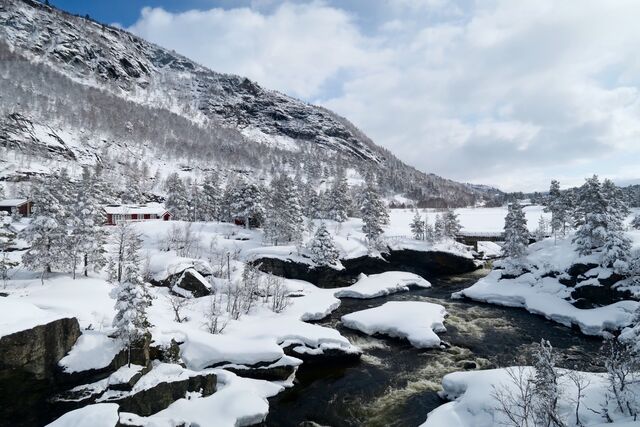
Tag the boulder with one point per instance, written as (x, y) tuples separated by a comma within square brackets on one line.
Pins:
[(154, 399), (192, 281), (28, 361)]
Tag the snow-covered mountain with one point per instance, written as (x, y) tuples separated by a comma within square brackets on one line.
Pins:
[(77, 91)]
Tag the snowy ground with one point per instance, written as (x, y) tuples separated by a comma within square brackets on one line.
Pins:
[(417, 321), (542, 294), (473, 403)]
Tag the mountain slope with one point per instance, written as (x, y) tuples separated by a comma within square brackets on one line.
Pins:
[(105, 66)]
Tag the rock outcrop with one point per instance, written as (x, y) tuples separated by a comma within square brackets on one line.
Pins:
[(425, 264), (28, 362)]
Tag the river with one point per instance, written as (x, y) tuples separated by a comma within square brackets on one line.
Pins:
[(395, 384)]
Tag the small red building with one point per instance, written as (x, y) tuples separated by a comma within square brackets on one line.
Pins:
[(148, 212), (21, 206)]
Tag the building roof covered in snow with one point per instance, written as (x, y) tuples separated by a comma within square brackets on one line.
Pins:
[(12, 202), (148, 209)]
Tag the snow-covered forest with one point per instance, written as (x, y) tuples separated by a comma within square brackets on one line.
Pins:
[(182, 247)]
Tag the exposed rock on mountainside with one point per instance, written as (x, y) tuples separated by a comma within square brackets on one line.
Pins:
[(113, 92)]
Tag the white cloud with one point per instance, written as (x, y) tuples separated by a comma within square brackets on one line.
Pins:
[(500, 92)]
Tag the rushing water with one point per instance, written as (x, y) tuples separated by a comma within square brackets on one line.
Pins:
[(395, 384)]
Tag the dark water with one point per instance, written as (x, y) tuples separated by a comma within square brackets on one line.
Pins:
[(395, 384)]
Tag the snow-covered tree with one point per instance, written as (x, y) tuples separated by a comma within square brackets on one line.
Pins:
[(211, 198), (323, 250), (374, 215), (195, 204), (7, 240), (516, 234), (247, 202), (559, 209), (86, 237), (177, 201), (429, 232), (46, 232), (438, 228), (451, 224), (546, 387), (600, 215), (417, 226), (131, 295), (541, 231), (284, 220), (635, 222), (339, 201)]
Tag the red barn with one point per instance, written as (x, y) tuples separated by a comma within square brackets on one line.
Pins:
[(148, 212), (22, 206)]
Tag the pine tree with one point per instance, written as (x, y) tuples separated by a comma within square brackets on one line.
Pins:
[(132, 297), (176, 202), (451, 224), (429, 232), (374, 215), (339, 201), (322, 247), (600, 215), (559, 209), (247, 202), (635, 222), (617, 248), (516, 234), (7, 240), (211, 198), (87, 237), (284, 222), (417, 226), (46, 232)]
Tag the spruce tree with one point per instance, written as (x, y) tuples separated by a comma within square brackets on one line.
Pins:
[(516, 234), (417, 226), (374, 215), (284, 219), (211, 198), (635, 222), (339, 201), (322, 247), (177, 201), (132, 297)]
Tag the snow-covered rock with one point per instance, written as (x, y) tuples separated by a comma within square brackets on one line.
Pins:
[(377, 285), (98, 415), (416, 321)]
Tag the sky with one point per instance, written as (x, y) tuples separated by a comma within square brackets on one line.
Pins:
[(499, 92)]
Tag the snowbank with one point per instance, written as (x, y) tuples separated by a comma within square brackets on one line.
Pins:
[(415, 320), (377, 285), (474, 404), (540, 291), (17, 315), (93, 350), (237, 402), (98, 415)]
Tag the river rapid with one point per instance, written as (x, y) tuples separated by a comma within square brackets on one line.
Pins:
[(395, 384)]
